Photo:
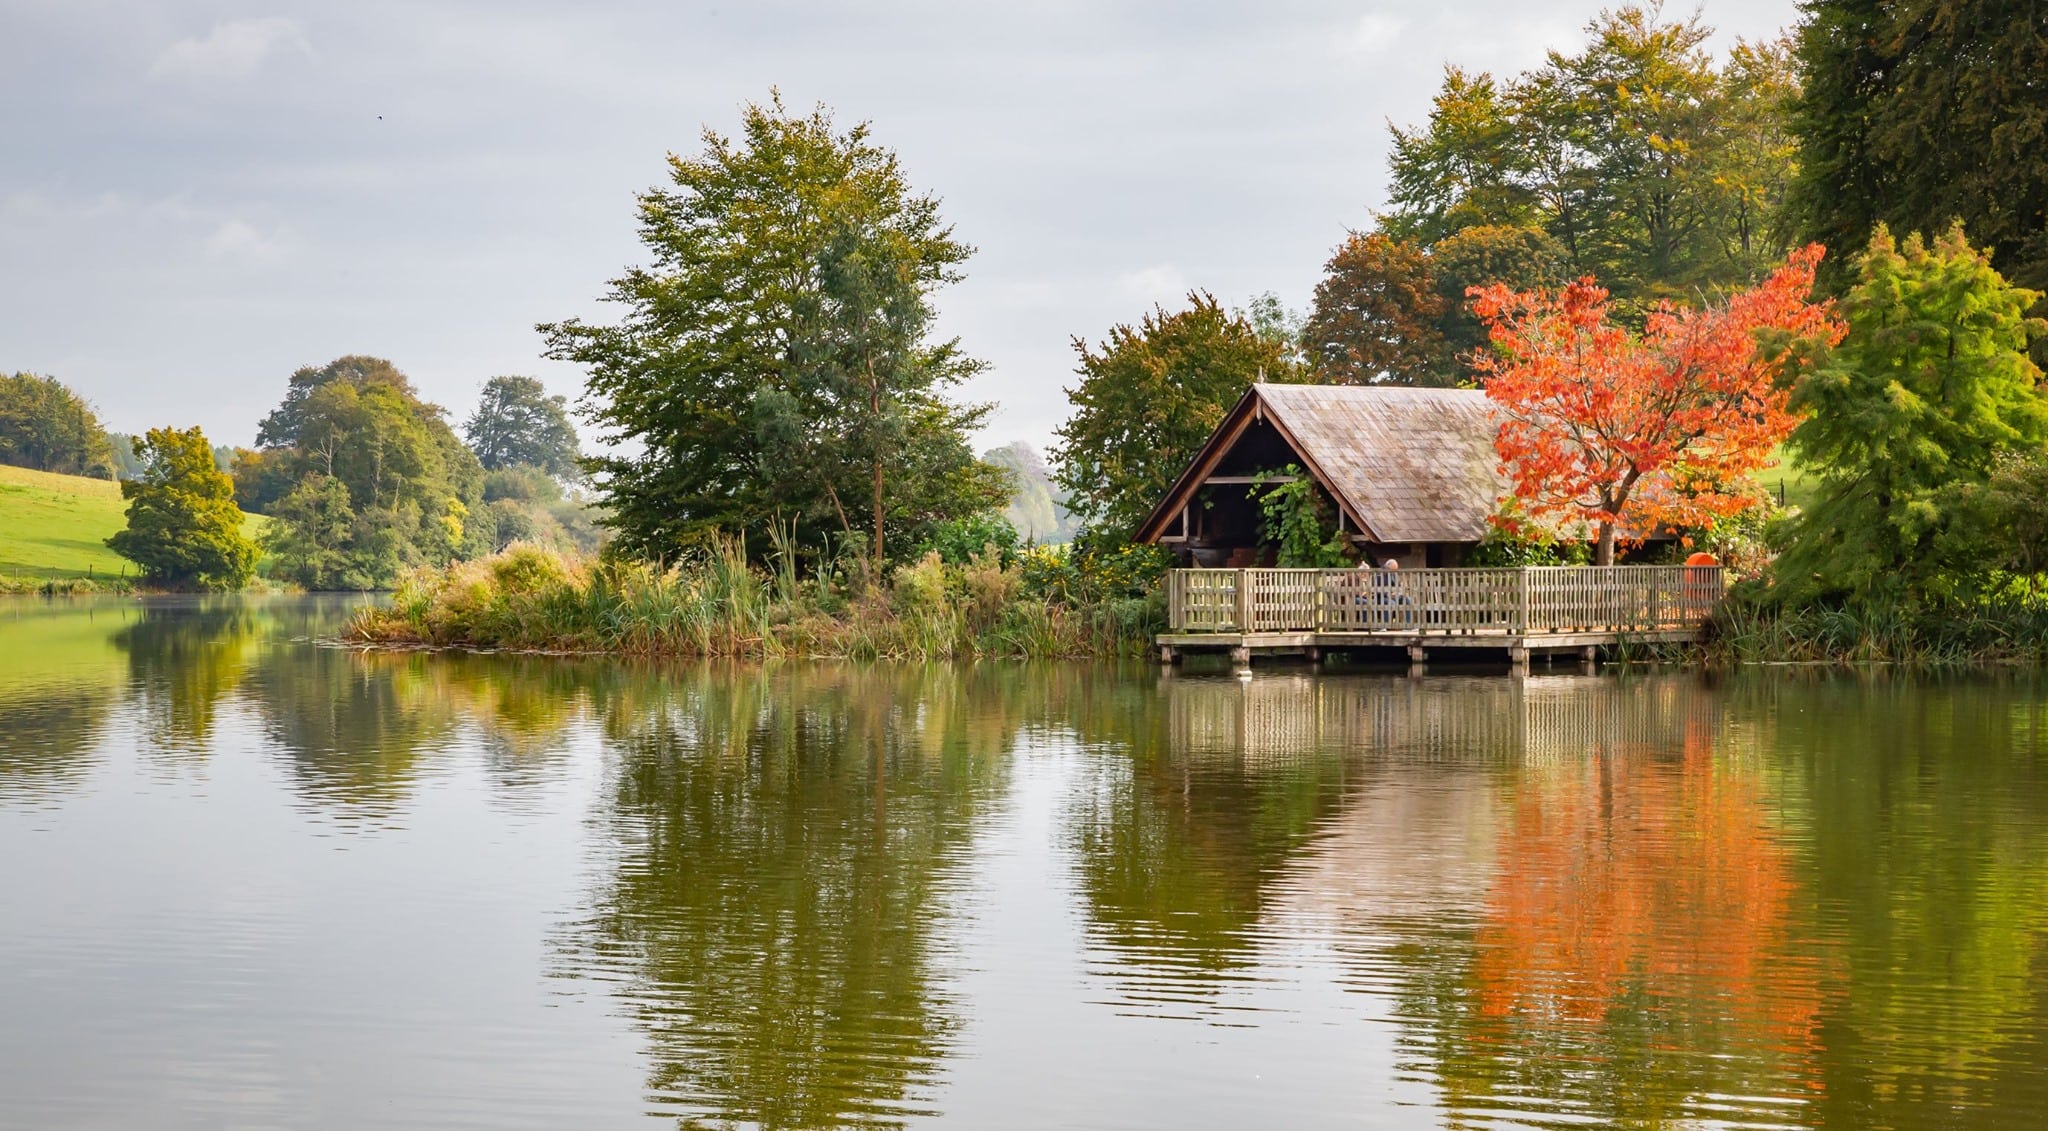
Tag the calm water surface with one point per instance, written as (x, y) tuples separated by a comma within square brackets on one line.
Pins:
[(248, 881)]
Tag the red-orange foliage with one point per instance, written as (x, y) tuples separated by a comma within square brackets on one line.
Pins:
[(1638, 884), (1631, 432)]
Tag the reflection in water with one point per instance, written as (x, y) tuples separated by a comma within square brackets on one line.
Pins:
[(59, 681), (775, 907), (1927, 836), (46, 741), (829, 895), (1178, 836), (182, 659), (353, 730), (1634, 959)]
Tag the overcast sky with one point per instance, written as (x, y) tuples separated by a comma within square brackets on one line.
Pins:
[(198, 198)]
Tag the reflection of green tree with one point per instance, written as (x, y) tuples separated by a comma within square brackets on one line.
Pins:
[(1177, 846), (1929, 845), (182, 658), (786, 832), (522, 706), (353, 728)]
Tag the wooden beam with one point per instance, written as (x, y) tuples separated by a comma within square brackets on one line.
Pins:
[(1250, 479)]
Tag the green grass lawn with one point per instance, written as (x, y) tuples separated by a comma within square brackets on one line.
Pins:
[(57, 526), (1796, 484)]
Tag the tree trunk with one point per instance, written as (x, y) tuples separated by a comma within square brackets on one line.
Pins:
[(1603, 553), (878, 517), (875, 456)]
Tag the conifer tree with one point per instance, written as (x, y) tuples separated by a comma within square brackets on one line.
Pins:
[(1929, 391)]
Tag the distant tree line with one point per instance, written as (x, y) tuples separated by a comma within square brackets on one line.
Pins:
[(47, 427), (361, 478)]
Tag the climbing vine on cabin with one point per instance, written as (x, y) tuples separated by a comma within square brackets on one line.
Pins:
[(1298, 521)]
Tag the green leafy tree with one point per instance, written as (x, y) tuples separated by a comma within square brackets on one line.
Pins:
[(1470, 165), (281, 428), (183, 526), (517, 423), (262, 477), (777, 360), (1916, 114), (1649, 165), (1929, 391), (1524, 259), (1148, 397), (412, 487), (46, 426), (1754, 155), (310, 533)]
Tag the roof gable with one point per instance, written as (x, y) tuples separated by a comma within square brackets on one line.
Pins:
[(1408, 465)]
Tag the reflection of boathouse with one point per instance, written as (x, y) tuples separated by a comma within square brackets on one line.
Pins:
[(1290, 716)]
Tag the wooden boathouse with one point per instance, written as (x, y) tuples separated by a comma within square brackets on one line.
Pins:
[(1413, 479)]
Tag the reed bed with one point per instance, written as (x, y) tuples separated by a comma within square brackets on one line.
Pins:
[(718, 603), (1983, 634)]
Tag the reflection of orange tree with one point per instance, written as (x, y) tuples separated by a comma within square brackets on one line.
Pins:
[(1635, 955)]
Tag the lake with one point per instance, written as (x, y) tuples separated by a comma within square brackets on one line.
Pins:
[(254, 881)]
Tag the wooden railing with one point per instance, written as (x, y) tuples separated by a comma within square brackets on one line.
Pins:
[(1518, 601)]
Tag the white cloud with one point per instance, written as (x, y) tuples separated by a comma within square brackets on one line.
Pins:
[(1162, 283), (231, 50), (237, 240), (1375, 32)]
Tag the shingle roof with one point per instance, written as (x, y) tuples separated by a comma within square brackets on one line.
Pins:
[(1415, 465), (1410, 465)]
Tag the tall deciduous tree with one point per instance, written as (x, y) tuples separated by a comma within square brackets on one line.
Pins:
[(1916, 114), (1601, 426), (280, 429), (1931, 389), (1522, 259), (1652, 167), (183, 526), (517, 424), (777, 359), (1148, 396), (1377, 314), (410, 488), (46, 426)]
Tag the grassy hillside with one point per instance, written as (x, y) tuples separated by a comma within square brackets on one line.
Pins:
[(56, 526)]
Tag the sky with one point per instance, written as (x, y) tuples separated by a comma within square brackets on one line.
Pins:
[(198, 198)]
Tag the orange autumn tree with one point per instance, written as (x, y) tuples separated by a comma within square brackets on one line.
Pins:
[(1629, 432)]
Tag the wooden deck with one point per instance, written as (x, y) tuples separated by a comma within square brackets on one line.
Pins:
[(1518, 611)]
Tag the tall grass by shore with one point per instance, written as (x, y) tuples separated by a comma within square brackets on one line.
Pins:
[(719, 604), (1988, 634)]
